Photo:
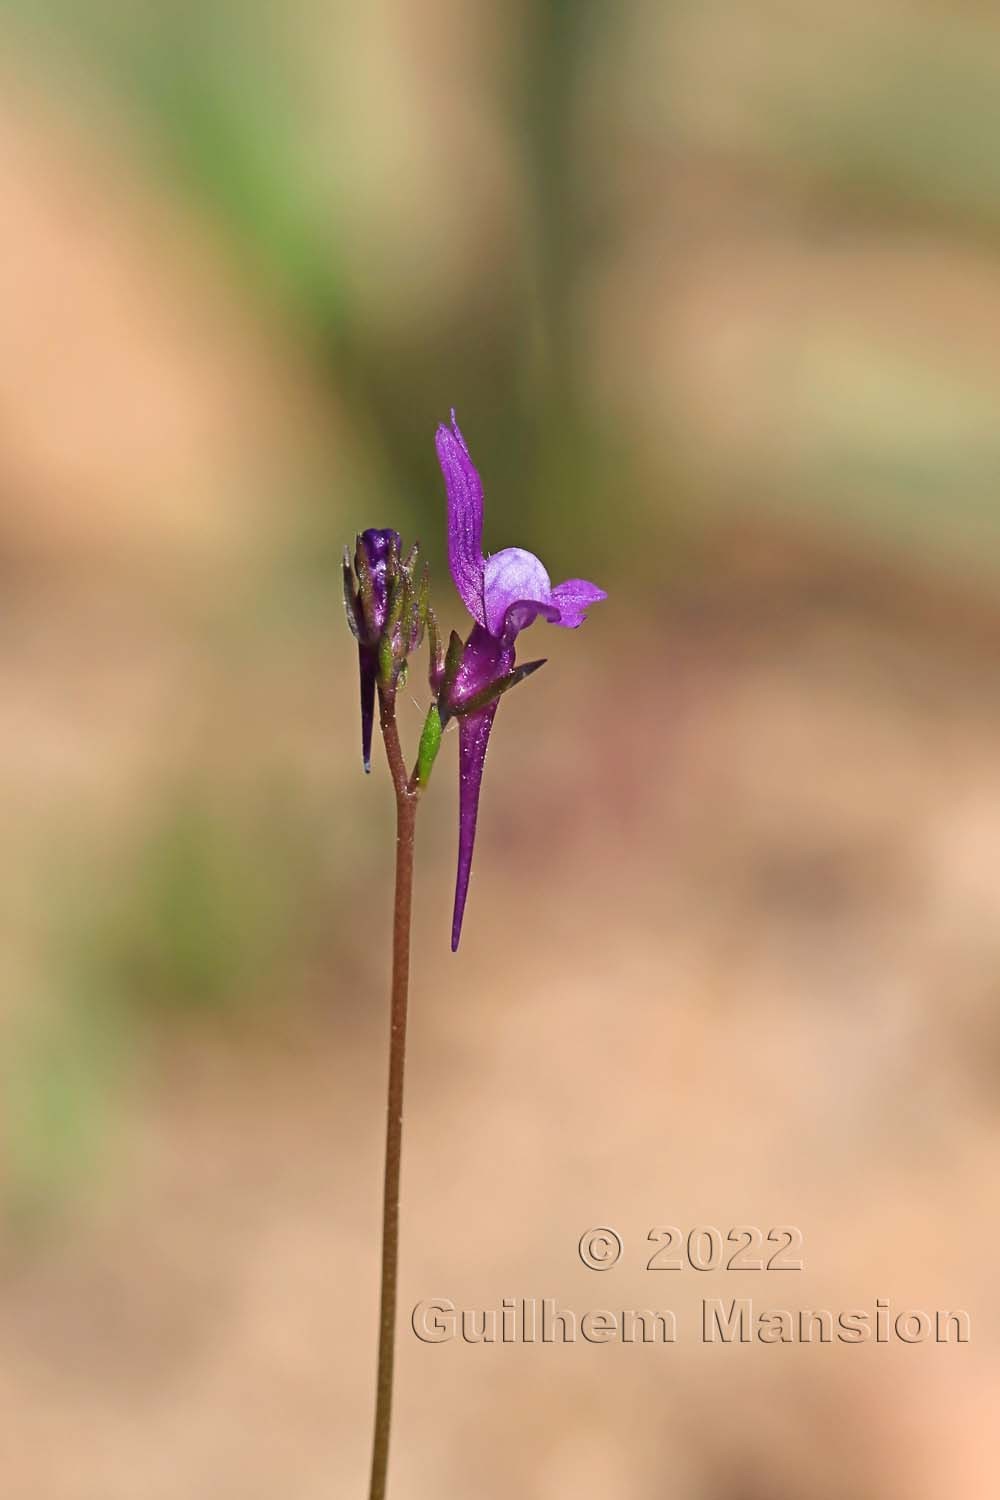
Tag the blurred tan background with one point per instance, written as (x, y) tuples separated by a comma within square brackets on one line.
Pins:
[(715, 290)]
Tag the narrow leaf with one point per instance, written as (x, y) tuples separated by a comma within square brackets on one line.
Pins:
[(430, 744)]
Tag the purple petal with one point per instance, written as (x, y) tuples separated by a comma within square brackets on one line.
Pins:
[(514, 579), (473, 739), (465, 517), (524, 613), (484, 659), (572, 599)]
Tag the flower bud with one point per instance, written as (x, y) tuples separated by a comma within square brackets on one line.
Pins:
[(387, 610), (376, 561)]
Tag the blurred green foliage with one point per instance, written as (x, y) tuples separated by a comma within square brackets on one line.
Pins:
[(222, 95), (216, 900), (222, 893), (59, 1101), (905, 136), (201, 916)]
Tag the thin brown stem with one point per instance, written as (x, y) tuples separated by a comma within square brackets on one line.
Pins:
[(393, 749), (406, 817)]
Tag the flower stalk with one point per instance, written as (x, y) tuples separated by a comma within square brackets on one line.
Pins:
[(407, 798)]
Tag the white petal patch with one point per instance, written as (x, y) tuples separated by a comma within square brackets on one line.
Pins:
[(513, 576)]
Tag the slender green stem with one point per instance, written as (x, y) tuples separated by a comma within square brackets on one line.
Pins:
[(406, 817)]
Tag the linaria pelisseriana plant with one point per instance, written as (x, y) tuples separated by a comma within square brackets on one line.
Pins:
[(389, 612)]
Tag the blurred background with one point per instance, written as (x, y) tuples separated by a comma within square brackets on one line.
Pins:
[(715, 291)]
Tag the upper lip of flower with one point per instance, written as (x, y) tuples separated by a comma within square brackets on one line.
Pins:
[(508, 590)]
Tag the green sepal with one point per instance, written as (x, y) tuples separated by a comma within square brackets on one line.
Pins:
[(388, 666), (436, 667), (423, 604), (386, 662), (366, 582)]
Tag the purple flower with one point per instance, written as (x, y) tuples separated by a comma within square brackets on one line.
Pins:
[(504, 594)]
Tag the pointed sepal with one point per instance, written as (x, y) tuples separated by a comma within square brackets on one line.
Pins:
[(449, 675), (435, 668), (494, 691), (351, 599)]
